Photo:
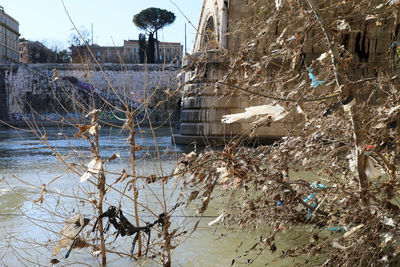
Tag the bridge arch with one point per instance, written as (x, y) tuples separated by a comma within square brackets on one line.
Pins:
[(209, 38), (212, 25), (203, 101)]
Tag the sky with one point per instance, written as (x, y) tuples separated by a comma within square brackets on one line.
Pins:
[(48, 22)]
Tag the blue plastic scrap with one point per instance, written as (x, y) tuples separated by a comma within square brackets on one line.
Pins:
[(314, 81), (311, 196), (318, 186), (336, 229), (309, 214)]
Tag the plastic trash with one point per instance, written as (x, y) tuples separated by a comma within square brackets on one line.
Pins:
[(70, 231), (337, 245), (94, 167), (276, 112), (336, 229), (311, 196), (314, 82), (318, 185)]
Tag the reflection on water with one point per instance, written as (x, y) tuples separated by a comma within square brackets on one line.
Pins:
[(26, 164)]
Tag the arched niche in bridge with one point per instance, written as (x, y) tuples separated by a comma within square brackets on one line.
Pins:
[(209, 39)]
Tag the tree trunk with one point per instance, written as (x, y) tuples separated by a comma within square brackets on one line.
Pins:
[(157, 48), (359, 139)]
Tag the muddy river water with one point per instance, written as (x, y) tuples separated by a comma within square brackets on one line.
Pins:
[(26, 163)]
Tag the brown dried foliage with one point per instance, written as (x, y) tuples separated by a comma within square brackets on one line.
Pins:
[(260, 186)]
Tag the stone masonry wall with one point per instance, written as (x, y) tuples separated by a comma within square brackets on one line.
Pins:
[(37, 82)]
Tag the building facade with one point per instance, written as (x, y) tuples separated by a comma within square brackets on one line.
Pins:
[(9, 36), (34, 52), (169, 53)]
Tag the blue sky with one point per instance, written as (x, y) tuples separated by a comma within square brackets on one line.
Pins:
[(46, 20)]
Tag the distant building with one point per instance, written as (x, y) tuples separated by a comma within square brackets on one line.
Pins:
[(107, 54), (9, 36), (131, 51), (170, 53), (34, 52)]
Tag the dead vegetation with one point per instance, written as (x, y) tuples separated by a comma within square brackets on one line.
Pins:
[(330, 70)]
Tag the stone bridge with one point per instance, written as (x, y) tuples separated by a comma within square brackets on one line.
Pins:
[(203, 103)]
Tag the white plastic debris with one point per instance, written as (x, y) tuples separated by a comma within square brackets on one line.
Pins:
[(91, 113), (379, 125), (94, 167), (92, 129), (388, 221), (370, 170), (393, 109), (348, 106), (291, 38), (342, 25), (353, 230), (278, 4), (276, 112), (96, 252), (352, 158), (369, 17), (337, 245), (387, 238), (223, 174), (384, 259), (191, 155), (71, 229), (323, 56), (299, 110), (216, 220)]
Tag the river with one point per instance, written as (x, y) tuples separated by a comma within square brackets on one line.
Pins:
[(26, 163)]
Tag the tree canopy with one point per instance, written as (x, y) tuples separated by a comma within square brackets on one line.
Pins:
[(153, 19)]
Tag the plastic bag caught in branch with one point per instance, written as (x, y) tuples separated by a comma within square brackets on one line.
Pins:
[(94, 167), (370, 170), (276, 112), (70, 230)]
